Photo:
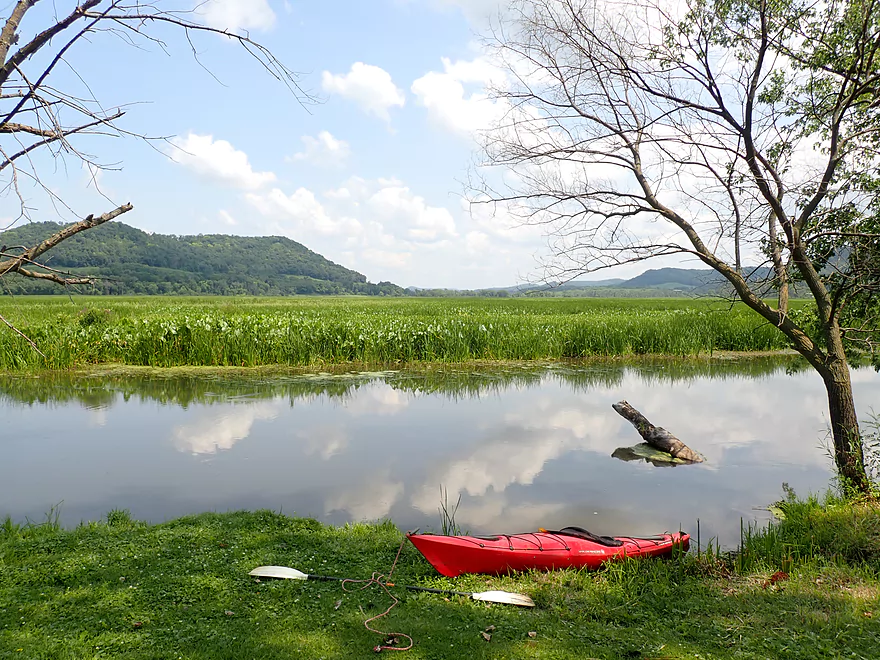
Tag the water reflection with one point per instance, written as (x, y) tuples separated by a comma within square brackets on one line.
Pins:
[(212, 432), (523, 447)]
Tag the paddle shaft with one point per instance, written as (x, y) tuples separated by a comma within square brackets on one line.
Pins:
[(326, 578), (287, 573), (392, 584), (438, 591)]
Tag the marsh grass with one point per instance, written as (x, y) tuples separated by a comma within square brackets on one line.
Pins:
[(448, 526), (124, 589), (249, 332)]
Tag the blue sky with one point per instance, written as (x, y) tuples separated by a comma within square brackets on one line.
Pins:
[(371, 176)]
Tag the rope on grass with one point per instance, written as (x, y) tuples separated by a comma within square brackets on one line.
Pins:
[(384, 582)]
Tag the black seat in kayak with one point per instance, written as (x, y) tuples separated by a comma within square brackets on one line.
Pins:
[(581, 533)]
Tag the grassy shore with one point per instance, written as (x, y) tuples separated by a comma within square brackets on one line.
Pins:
[(166, 332), (180, 589)]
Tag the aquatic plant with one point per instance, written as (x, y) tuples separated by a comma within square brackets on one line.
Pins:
[(216, 332)]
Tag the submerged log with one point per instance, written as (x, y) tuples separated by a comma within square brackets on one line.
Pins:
[(656, 436)]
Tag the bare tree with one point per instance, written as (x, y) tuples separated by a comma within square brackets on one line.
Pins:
[(734, 132), (39, 118)]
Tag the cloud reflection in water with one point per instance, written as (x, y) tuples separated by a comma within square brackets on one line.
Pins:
[(214, 432)]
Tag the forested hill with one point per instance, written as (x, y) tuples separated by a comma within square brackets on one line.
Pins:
[(140, 263)]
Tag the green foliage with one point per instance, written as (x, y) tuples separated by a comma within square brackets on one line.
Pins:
[(162, 333), (212, 264), (90, 317), (181, 589), (834, 531)]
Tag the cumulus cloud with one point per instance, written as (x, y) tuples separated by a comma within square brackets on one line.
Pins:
[(219, 161), (324, 150), (381, 214), (301, 213), (396, 203), (369, 86), (325, 441), (448, 103), (368, 501), (237, 15), (386, 230), (218, 432), (485, 512), (518, 451)]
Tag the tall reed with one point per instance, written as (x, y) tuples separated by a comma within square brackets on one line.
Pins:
[(158, 332)]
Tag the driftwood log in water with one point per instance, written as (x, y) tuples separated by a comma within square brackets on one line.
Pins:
[(656, 436)]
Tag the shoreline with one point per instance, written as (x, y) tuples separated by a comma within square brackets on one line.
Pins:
[(119, 369), (128, 590)]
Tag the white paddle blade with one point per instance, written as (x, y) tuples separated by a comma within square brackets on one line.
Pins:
[(282, 572), (504, 597)]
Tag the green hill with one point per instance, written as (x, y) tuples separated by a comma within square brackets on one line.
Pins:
[(216, 264), (675, 278)]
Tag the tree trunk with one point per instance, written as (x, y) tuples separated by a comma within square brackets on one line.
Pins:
[(845, 428)]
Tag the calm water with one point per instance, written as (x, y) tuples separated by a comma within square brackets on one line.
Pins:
[(522, 448)]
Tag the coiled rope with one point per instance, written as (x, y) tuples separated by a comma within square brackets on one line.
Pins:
[(384, 582)]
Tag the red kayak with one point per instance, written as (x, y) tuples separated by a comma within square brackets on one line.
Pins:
[(570, 547)]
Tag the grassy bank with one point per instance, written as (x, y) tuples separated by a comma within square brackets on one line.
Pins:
[(122, 589), (308, 331)]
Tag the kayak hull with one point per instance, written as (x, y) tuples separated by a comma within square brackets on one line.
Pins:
[(542, 551)]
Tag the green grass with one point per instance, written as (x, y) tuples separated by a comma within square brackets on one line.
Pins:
[(123, 589), (167, 332)]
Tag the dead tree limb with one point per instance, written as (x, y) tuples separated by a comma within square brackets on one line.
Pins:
[(656, 436), (17, 264)]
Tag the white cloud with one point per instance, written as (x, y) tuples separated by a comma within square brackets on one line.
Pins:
[(520, 450), (485, 512), (384, 229), (477, 243), (449, 104), (422, 222), (382, 215), (324, 150), (326, 441), (216, 432), (219, 161), (301, 213), (387, 258), (234, 15), (371, 87), (502, 222), (369, 501)]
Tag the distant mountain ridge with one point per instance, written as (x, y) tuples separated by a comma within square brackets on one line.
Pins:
[(141, 263), (658, 282)]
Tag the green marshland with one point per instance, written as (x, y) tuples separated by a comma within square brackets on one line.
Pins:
[(168, 332)]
